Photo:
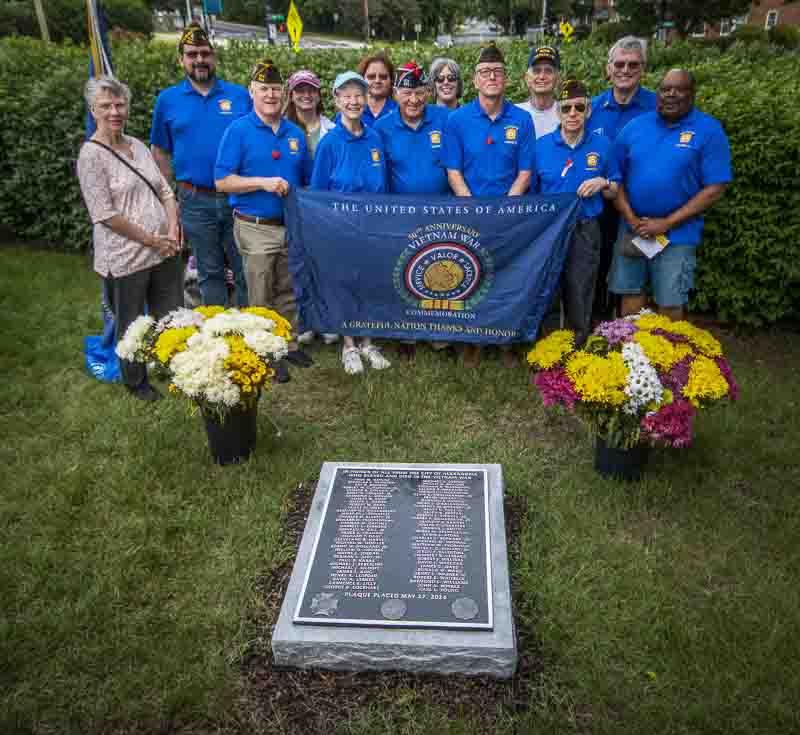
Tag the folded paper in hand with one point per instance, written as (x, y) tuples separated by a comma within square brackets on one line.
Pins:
[(651, 246)]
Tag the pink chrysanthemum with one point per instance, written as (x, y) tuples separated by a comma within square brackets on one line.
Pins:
[(725, 369), (671, 425), (556, 388)]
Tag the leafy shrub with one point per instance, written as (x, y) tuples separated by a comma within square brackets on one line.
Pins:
[(748, 269), (750, 34), (609, 33), (66, 19), (785, 36)]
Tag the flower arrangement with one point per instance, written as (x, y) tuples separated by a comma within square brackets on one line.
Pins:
[(219, 358), (637, 380)]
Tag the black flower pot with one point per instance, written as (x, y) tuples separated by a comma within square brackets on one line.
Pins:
[(621, 464), (232, 438)]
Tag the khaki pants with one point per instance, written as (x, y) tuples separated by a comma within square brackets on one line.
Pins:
[(266, 267)]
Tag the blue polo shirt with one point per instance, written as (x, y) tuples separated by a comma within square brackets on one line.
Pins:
[(609, 117), (349, 163), (561, 169), (251, 148), (414, 156), (664, 165), (189, 126), (489, 153)]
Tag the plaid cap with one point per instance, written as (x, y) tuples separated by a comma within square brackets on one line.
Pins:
[(410, 76), (194, 35), (303, 77), (544, 53), (266, 72), (571, 89)]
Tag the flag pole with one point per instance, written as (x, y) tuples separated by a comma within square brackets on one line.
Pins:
[(42, 18)]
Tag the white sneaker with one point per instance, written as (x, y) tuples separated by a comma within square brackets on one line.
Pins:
[(376, 360), (306, 338), (351, 359), (330, 339)]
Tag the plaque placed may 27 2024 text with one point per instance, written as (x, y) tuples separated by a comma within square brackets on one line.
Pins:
[(401, 548)]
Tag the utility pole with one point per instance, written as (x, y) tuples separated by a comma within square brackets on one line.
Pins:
[(42, 20), (544, 14), (366, 21)]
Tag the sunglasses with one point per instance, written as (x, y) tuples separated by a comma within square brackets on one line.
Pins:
[(632, 65), (578, 107), (452, 78), (373, 77)]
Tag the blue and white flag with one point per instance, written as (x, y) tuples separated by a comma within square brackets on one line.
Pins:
[(427, 268)]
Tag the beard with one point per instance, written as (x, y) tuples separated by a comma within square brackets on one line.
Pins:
[(207, 77)]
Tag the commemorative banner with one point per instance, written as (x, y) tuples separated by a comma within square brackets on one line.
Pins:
[(426, 267)]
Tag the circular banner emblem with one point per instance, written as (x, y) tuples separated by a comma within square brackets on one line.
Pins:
[(443, 270)]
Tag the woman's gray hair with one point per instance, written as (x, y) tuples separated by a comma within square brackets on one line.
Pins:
[(629, 43), (98, 85), (437, 65)]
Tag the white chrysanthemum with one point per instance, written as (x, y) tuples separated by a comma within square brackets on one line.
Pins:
[(267, 344), (638, 315), (199, 371), (236, 322), (132, 341), (643, 385), (180, 318)]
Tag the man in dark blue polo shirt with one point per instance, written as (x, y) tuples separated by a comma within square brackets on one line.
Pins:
[(675, 163), (413, 139), (489, 149), (188, 122), (570, 160), (261, 156), (612, 110)]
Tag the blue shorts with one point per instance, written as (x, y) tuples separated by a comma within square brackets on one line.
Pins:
[(670, 275)]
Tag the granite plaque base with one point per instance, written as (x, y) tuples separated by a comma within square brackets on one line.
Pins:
[(397, 637)]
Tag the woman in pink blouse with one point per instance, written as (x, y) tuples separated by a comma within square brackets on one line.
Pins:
[(134, 218)]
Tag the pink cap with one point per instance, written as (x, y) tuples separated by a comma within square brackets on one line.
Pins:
[(303, 77)]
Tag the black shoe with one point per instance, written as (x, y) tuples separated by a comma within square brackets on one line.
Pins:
[(145, 392), (281, 372), (299, 358)]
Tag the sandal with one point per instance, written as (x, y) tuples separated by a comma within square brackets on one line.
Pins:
[(376, 360)]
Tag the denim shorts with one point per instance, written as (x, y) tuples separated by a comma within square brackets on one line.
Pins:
[(670, 275)]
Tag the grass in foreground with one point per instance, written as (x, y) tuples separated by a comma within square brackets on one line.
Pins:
[(128, 562)]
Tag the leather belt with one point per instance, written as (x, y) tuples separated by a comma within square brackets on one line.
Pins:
[(189, 186), (273, 221)]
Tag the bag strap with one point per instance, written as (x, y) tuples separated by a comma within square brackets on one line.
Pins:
[(135, 170)]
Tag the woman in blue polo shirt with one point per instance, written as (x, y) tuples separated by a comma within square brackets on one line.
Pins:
[(351, 159), (570, 160)]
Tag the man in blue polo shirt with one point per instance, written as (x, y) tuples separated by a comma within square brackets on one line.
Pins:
[(571, 160), (413, 140), (188, 122), (675, 163), (489, 149), (261, 156)]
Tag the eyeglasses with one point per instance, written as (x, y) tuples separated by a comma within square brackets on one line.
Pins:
[(198, 54), (632, 65), (498, 72), (373, 77), (452, 78), (578, 107)]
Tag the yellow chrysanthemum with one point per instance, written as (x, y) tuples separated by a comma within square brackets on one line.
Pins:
[(548, 352), (654, 321), (282, 328), (706, 381), (702, 339), (659, 350), (245, 367), (172, 341), (599, 379), (209, 311)]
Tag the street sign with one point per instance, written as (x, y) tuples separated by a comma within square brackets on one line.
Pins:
[(294, 25), (567, 31)]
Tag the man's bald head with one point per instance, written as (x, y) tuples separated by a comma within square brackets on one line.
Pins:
[(675, 94)]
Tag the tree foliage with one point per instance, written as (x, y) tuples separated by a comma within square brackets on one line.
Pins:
[(685, 14)]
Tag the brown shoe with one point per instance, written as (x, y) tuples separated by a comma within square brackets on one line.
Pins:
[(510, 359), (472, 356)]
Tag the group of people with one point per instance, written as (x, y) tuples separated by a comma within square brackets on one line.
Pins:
[(644, 165)]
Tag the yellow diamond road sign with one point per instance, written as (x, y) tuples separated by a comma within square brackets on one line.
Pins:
[(294, 24)]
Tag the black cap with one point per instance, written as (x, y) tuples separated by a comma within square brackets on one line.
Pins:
[(544, 53), (266, 72), (572, 88)]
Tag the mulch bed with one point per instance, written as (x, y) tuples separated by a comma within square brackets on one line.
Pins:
[(308, 702)]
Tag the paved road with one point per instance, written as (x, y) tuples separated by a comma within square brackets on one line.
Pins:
[(225, 30)]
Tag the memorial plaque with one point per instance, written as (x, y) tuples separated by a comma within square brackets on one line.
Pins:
[(401, 547)]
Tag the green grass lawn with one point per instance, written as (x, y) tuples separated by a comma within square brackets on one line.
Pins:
[(128, 561)]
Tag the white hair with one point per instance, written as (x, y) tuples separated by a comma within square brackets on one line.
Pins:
[(629, 43), (96, 86)]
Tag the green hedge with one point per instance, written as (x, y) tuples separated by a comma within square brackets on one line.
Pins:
[(748, 269)]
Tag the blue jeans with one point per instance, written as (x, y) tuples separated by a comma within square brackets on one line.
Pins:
[(208, 227)]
